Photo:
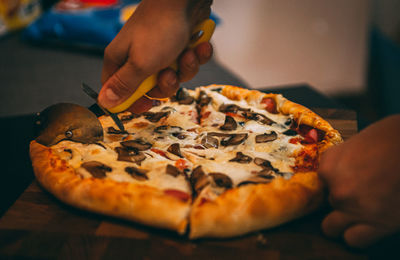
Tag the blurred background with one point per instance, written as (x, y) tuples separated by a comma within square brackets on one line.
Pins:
[(348, 50)]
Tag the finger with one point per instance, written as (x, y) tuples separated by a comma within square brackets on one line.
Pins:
[(362, 235), (336, 223), (188, 65), (121, 85), (204, 52), (143, 104), (167, 84), (115, 56)]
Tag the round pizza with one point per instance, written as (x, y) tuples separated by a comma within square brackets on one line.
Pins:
[(217, 161)]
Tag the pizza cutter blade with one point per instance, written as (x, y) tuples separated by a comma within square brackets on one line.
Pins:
[(66, 121)]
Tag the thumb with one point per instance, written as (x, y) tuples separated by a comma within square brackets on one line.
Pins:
[(121, 85)]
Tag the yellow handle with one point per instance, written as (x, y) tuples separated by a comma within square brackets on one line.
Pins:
[(201, 33)]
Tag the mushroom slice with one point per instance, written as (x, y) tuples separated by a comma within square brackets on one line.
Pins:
[(137, 144), (183, 97), (241, 158), (203, 99), (126, 118), (154, 117), (136, 173), (209, 142), (112, 130), (266, 137), (129, 155), (221, 180), (175, 149), (258, 117), (230, 124), (198, 179), (232, 108), (264, 163), (234, 139), (172, 170), (96, 169)]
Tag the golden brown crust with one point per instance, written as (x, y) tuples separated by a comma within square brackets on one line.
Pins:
[(130, 201), (254, 207)]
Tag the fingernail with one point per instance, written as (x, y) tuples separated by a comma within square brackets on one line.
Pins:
[(111, 96)]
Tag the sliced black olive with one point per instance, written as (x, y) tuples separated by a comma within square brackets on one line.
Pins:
[(209, 142), (126, 118), (241, 123), (290, 132), (96, 169), (172, 170), (217, 90), (232, 108), (235, 139), (198, 179), (137, 144), (289, 122), (263, 163), (136, 173), (230, 124), (254, 180), (241, 158), (221, 180), (175, 149), (263, 138), (203, 99), (180, 136), (112, 130), (155, 117)]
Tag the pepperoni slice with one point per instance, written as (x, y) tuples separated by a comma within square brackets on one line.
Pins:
[(178, 194), (270, 105)]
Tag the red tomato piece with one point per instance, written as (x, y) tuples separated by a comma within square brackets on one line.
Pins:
[(311, 137), (270, 105), (181, 164), (178, 194)]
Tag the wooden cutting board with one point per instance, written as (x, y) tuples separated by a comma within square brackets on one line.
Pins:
[(39, 226)]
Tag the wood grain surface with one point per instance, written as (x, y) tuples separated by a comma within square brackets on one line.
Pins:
[(38, 226)]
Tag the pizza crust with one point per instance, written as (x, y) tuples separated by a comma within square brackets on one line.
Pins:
[(139, 203), (255, 207)]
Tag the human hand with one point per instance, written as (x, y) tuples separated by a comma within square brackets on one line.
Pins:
[(152, 38), (363, 178)]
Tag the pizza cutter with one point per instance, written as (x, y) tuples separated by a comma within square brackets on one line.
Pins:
[(66, 121)]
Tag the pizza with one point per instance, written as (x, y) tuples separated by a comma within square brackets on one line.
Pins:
[(217, 161)]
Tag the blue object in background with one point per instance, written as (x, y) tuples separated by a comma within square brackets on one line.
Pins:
[(93, 27)]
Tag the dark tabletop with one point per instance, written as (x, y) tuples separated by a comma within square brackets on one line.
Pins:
[(34, 77)]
